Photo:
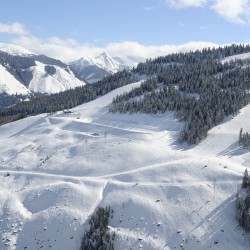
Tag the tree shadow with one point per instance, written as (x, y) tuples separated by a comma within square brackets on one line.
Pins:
[(220, 225), (28, 128), (180, 146), (233, 150)]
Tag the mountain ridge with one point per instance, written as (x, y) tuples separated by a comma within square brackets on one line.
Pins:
[(15, 50), (23, 73)]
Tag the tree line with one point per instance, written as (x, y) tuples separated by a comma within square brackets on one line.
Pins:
[(244, 139)]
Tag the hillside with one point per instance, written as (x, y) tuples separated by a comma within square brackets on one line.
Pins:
[(164, 195)]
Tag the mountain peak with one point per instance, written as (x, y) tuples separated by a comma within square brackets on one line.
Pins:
[(92, 68), (107, 62), (84, 61), (104, 55)]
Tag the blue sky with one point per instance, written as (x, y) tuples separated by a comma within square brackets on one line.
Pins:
[(150, 26)]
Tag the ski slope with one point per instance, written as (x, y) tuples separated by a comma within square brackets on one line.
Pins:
[(164, 195)]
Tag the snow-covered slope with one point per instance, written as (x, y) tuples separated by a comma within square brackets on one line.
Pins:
[(164, 195), (110, 64), (61, 80), (9, 84), (41, 81), (15, 50), (236, 57), (94, 68), (103, 61)]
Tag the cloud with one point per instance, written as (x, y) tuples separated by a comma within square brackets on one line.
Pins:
[(55, 47), (185, 3), (69, 49), (13, 28), (148, 8), (236, 11)]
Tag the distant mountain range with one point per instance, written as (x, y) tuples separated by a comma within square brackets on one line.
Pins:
[(23, 72)]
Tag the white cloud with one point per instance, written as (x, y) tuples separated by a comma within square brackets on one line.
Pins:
[(65, 50), (148, 8), (13, 28), (69, 50), (185, 3), (60, 42), (236, 11)]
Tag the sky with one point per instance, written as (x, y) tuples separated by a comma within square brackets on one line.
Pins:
[(68, 30)]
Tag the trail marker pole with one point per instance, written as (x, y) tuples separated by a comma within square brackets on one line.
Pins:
[(105, 137)]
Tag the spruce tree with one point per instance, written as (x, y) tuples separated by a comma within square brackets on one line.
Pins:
[(245, 180)]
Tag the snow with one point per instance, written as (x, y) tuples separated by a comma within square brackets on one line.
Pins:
[(60, 81), (236, 57), (130, 61), (15, 50), (109, 63), (164, 195), (85, 61), (9, 84), (41, 82), (103, 61)]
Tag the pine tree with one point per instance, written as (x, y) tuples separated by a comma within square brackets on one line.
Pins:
[(245, 180), (240, 137)]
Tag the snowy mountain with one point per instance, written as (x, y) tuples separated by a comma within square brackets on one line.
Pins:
[(110, 64), (93, 69), (52, 79), (15, 50), (22, 72), (61, 167)]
